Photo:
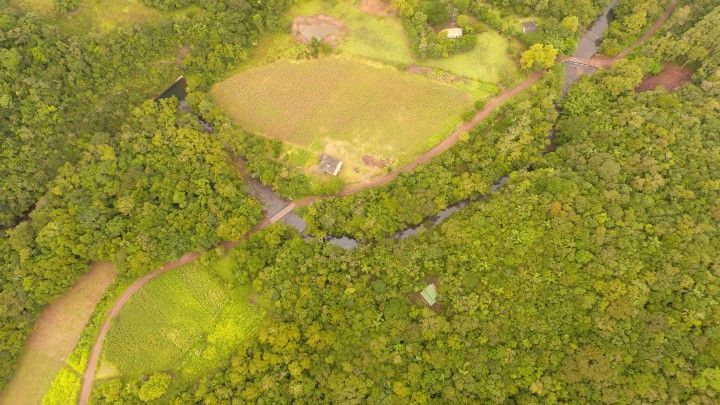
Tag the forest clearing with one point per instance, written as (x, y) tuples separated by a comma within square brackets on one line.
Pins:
[(381, 111), (372, 116)]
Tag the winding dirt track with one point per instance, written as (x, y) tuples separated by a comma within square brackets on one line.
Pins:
[(448, 142), (89, 375)]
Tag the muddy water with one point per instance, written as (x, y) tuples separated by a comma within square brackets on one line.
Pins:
[(588, 46), (177, 90)]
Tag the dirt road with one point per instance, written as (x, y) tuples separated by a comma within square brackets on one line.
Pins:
[(89, 375)]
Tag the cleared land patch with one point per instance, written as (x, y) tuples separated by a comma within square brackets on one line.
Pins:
[(346, 107), (184, 321), (488, 62), (381, 38), (321, 27), (671, 78), (56, 332)]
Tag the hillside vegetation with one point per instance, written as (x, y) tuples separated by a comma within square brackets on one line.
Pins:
[(592, 275)]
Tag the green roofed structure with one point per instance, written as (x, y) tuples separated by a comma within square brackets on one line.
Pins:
[(430, 294)]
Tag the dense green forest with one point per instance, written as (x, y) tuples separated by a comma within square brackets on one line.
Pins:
[(593, 275), (88, 175)]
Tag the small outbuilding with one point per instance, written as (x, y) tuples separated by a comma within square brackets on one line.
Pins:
[(330, 164), (430, 294), (529, 27), (454, 32)]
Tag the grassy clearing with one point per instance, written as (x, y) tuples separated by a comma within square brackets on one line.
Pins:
[(489, 61), (373, 37), (98, 15), (345, 107), (383, 38), (184, 321), (106, 15), (56, 333)]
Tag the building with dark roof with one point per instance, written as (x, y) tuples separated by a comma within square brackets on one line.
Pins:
[(330, 164)]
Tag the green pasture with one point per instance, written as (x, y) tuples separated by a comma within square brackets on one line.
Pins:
[(347, 107), (185, 322), (489, 62), (383, 38), (97, 15), (380, 38)]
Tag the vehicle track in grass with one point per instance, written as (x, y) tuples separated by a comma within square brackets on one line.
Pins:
[(490, 107)]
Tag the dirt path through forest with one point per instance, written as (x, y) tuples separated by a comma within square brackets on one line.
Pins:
[(492, 105)]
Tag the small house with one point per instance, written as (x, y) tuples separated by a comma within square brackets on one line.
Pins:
[(430, 294), (454, 32), (529, 27), (330, 164)]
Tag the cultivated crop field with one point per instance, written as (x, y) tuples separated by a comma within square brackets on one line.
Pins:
[(343, 106), (184, 321)]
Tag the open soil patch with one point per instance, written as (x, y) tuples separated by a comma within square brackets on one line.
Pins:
[(419, 70), (374, 162), (322, 27), (376, 7), (671, 78)]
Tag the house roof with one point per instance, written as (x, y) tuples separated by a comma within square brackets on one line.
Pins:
[(529, 26), (430, 294), (330, 164), (454, 32)]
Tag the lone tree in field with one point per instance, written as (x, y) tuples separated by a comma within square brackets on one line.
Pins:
[(539, 56)]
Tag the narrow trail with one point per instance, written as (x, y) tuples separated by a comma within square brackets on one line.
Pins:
[(448, 142)]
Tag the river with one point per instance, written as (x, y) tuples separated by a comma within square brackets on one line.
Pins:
[(588, 46)]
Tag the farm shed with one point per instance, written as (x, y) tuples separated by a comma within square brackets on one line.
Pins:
[(430, 294), (529, 27), (329, 164), (454, 32)]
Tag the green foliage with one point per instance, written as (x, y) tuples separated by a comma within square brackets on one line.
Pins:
[(155, 387), (420, 18), (64, 388), (539, 56), (570, 23), (693, 39), (63, 6), (170, 4), (602, 258), (507, 141), (632, 17)]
